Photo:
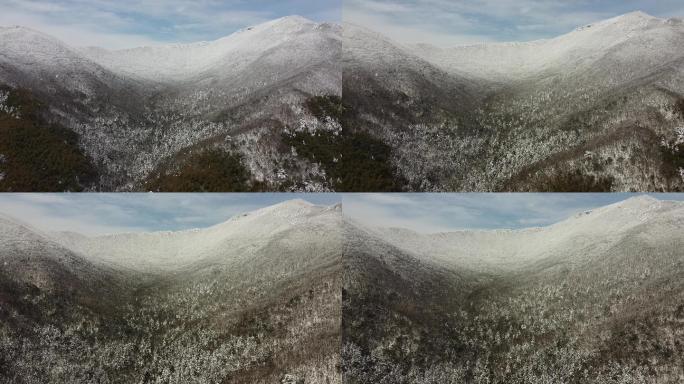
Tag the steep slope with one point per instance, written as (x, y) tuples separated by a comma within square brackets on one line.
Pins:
[(593, 299), (51, 69), (51, 301), (396, 96), (228, 304), (147, 115), (593, 110), (32, 259)]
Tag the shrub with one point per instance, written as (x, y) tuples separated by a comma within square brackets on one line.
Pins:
[(210, 170), (324, 106), (575, 181), (38, 155), (353, 161), (679, 107)]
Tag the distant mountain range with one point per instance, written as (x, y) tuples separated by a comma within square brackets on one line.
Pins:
[(293, 105), (272, 295), (598, 109)]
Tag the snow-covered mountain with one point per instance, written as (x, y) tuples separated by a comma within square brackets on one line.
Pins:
[(595, 109), (505, 250), (635, 38), (595, 299), (239, 238), (148, 113), (598, 109), (223, 304), (231, 54)]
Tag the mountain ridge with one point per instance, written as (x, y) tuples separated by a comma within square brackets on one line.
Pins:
[(174, 62), (552, 51)]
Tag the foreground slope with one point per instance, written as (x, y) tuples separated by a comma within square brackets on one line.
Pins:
[(598, 109), (253, 300), (594, 299), (155, 118)]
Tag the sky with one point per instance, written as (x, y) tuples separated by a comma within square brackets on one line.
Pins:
[(95, 214), (118, 24), (431, 213), (106, 213), (457, 22)]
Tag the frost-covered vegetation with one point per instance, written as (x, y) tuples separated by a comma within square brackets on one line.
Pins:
[(253, 300), (206, 171), (296, 293), (597, 109), (139, 113), (352, 161), (594, 299), (586, 111)]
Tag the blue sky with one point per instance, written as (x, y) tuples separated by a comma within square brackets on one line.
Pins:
[(429, 213), (94, 214), (457, 22), (131, 23)]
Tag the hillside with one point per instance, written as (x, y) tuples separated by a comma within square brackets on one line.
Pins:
[(597, 109), (252, 300), (155, 118), (593, 299), (272, 295)]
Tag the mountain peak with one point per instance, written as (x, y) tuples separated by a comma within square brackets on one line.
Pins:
[(641, 199), (295, 203), (638, 15), (294, 207), (631, 18), (294, 19), (19, 30), (17, 27), (641, 203)]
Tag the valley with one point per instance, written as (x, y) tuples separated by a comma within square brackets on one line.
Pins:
[(299, 293), (252, 300), (595, 110), (593, 299), (151, 118)]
